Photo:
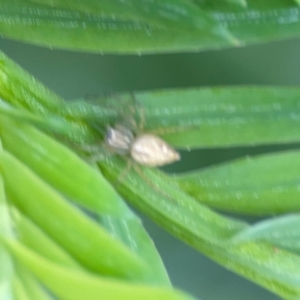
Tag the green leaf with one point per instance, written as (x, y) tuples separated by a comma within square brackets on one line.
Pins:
[(32, 96), (81, 237), (69, 285), (26, 286), (159, 197), (33, 237), (282, 231), (111, 26), (147, 26), (131, 233), (161, 13), (6, 270), (33, 146), (242, 3), (19, 292), (222, 117), (265, 184)]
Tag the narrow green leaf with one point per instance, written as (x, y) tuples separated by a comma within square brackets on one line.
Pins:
[(69, 285), (5, 221), (33, 237), (222, 4), (242, 3), (112, 26), (19, 291), (131, 233), (273, 268), (6, 269), (265, 184), (21, 90), (148, 26), (26, 284), (220, 117), (281, 231), (34, 96), (80, 236), (160, 13)]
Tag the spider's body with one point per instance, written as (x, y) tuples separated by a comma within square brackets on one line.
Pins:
[(145, 149)]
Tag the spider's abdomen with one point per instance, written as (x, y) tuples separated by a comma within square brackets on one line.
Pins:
[(150, 150)]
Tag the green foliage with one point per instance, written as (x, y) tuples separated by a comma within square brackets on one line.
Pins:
[(223, 117), (73, 231), (240, 186), (148, 26), (6, 271), (158, 195)]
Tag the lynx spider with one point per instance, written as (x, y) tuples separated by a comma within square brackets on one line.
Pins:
[(145, 149)]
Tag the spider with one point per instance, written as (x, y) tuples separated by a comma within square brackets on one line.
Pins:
[(127, 139), (146, 149)]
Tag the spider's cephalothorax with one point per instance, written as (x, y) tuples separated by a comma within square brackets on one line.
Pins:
[(145, 149)]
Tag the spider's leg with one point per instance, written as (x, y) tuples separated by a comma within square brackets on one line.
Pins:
[(95, 157), (95, 152), (140, 112), (121, 176), (151, 184), (113, 106), (142, 122), (127, 111), (172, 129)]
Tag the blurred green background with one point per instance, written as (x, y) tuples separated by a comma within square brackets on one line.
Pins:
[(73, 75)]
